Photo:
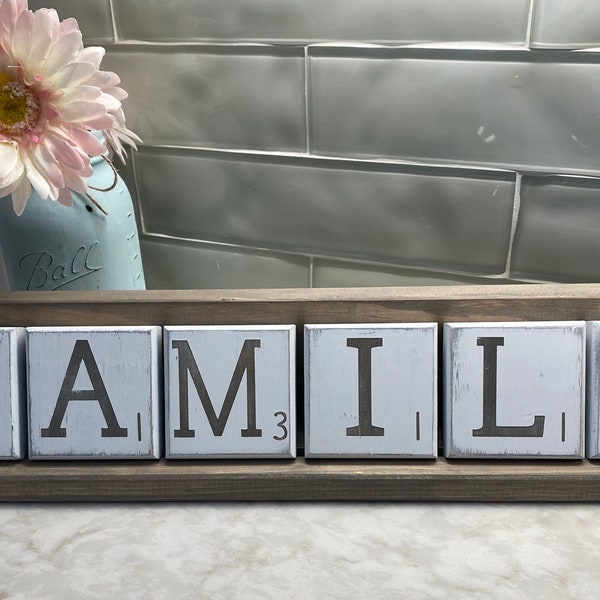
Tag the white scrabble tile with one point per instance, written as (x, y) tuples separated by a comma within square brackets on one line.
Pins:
[(514, 390), (13, 433), (592, 434), (94, 392), (230, 391), (371, 390)]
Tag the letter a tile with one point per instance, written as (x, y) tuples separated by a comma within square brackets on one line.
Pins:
[(371, 390), (230, 391), (94, 392), (514, 390), (13, 435)]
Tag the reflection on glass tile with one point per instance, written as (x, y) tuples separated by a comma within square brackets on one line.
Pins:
[(93, 16), (558, 234), (169, 264), (318, 20), (216, 97), (566, 24), (510, 109), (331, 273), (442, 217)]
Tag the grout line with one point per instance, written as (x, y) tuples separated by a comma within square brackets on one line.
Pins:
[(114, 22), (136, 194), (513, 226), (529, 24), (306, 98)]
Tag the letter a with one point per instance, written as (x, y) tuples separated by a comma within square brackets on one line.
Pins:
[(82, 353)]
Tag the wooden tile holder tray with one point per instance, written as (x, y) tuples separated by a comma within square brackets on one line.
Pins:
[(300, 479)]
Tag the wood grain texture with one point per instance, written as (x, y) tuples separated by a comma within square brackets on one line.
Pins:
[(299, 306), (302, 480), (299, 479)]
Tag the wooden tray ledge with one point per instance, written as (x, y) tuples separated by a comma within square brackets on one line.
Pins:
[(301, 480)]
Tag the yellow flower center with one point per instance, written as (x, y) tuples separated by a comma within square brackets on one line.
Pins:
[(19, 107)]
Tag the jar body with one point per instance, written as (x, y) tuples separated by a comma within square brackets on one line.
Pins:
[(56, 247)]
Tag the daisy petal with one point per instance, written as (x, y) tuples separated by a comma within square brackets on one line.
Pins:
[(11, 167), (64, 152), (20, 196), (65, 197), (63, 52), (44, 27), (73, 74), (81, 112), (92, 54), (39, 184)]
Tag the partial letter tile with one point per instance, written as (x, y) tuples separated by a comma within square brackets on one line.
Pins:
[(94, 392), (593, 390), (371, 390), (230, 391), (514, 390), (13, 414)]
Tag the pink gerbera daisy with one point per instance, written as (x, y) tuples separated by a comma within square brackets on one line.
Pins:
[(52, 96)]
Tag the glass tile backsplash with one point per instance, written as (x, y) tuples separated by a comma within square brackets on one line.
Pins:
[(342, 142)]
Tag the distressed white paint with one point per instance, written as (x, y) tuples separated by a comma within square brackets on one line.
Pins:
[(267, 430), (593, 390), (13, 434), (539, 372), (129, 366), (403, 390)]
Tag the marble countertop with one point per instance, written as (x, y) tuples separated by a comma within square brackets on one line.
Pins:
[(299, 551)]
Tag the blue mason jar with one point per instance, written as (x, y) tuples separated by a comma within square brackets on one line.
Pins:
[(79, 247)]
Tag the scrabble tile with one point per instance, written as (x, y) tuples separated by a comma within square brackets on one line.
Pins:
[(94, 392), (592, 434), (230, 391), (371, 390), (514, 389), (13, 434)]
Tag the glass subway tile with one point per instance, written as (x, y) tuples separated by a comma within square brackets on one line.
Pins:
[(558, 232), (442, 218), (565, 24), (222, 97), (378, 21), (510, 109), (172, 264), (94, 16), (331, 273)]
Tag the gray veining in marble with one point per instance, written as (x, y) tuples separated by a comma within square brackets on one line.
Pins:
[(308, 552)]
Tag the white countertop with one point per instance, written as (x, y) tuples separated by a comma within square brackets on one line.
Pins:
[(299, 551)]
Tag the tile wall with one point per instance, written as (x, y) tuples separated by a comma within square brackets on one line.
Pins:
[(295, 143)]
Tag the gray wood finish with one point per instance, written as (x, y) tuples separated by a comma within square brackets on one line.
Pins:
[(300, 479)]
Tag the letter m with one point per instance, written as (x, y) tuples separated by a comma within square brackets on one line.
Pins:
[(245, 365)]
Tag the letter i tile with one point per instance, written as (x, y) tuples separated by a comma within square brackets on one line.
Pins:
[(94, 392), (13, 436), (230, 391), (370, 391), (514, 390)]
